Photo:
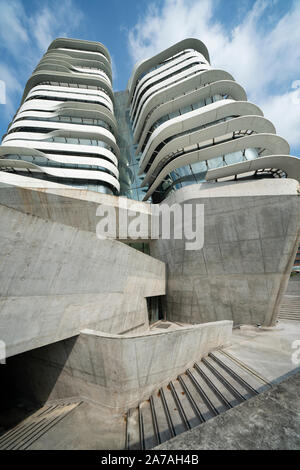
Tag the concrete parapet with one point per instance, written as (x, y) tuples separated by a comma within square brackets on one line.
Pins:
[(69, 206), (118, 371)]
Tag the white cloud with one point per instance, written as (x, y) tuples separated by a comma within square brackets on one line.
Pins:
[(25, 35), (285, 111), (12, 28), (57, 20), (176, 20), (261, 51), (13, 88), (114, 70)]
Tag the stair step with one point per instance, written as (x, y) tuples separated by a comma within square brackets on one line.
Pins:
[(163, 426), (229, 381), (204, 413), (254, 379), (240, 380), (214, 385), (33, 427), (132, 430), (189, 414), (290, 308), (213, 404), (148, 428), (224, 395)]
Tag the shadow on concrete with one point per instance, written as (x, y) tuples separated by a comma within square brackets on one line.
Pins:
[(28, 379)]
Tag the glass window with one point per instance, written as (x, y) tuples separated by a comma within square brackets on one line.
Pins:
[(174, 114), (217, 97), (215, 162), (72, 140), (251, 154), (186, 109), (234, 157), (199, 167), (199, 104)]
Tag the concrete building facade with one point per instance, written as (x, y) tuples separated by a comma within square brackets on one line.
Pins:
[(78, 312), (199, 141)]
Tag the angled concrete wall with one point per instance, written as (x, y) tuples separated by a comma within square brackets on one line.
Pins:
[(251, 234), (56, 280), (117, 371), (64, 204), (55, 270)]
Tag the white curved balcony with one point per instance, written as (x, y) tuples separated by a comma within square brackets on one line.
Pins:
[(171, 92), (191, 66), (71, 111), (144, 65), (190, 100), (270, 143), (199, 117), (61, 129), (16, 145), (62, 173), (176, 64)]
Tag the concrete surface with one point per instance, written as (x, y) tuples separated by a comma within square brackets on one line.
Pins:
[(240, 274), (267, 352), (87, 427), (56, 280), (251, 235), (116, 371), (93, 426), (64, 204), (268, 421), (67, 425)]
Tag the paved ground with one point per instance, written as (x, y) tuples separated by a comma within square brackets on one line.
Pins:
[(268, 352)]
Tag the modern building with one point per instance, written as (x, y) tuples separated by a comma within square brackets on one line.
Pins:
[(95, 329), (65, 129), (187, 123)]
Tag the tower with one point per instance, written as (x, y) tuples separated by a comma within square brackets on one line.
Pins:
[(65, 130), (192, 123)]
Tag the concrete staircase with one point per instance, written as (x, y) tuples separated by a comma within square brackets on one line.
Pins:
[(32, 428), (290, 308), (214, 385)]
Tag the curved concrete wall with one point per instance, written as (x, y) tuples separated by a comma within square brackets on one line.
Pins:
[(118, 371)]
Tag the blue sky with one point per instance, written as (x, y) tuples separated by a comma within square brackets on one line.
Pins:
[(256, 41)]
